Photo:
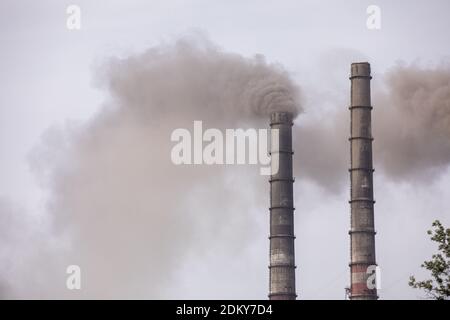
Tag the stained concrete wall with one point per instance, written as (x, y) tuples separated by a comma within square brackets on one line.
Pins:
[(282, 257), (362, 232)]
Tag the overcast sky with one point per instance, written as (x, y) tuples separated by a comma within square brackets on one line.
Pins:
[(48, 79)]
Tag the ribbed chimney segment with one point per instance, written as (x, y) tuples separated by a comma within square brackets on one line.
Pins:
[(282, 256), (362, 232)]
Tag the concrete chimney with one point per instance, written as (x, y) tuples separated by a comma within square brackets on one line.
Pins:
[(362, 232), (282, 257)]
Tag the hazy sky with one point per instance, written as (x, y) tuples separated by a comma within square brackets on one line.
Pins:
[(49, 79)]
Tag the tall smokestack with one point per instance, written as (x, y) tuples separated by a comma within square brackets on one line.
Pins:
[(362, 232), (282, 257)]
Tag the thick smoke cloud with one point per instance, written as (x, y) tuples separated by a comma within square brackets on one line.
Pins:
[(130, 216), (195, 79), (413, 124), (410, 124)]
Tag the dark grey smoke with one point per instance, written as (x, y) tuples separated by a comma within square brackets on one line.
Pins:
[(413, 124), (122, 211), (410, 124), (130, 216)]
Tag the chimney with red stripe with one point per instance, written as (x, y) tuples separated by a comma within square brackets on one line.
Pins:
[(362, 232)]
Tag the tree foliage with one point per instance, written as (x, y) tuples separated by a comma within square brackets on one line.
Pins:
[(438, 287)]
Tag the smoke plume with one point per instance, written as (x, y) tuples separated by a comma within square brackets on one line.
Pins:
[(413, 124), (130, 216), (410, 124)]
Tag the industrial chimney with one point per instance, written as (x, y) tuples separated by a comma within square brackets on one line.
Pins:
[(282, 258), (362, 232)]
